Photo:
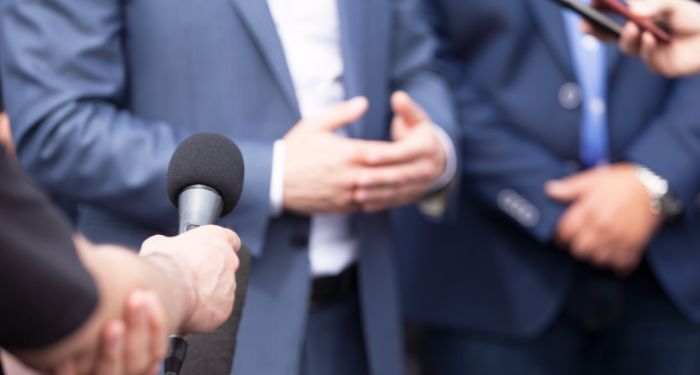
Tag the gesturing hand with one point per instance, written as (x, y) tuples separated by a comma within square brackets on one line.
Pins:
[(403, 171), (609, 222), (321, 166)]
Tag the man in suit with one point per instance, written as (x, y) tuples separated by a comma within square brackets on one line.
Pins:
[(576, 246), (106, 90)]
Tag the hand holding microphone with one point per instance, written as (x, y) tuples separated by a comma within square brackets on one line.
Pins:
[(207, 265), (205, 181)]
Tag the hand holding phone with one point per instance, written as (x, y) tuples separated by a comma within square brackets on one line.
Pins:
[(617, 7), (598, 18)]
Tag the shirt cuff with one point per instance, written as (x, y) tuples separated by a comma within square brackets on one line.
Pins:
[(277, 179), (451, 163)]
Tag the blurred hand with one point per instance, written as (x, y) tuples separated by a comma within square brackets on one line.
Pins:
[(681, 18), (134, 345), (404, 171), (320, 166), (609, 222), (6, 134), (206, 261)]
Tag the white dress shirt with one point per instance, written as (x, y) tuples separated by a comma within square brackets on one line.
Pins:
[(310, 34)]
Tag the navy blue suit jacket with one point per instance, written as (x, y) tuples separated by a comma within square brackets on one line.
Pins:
[(493, 268), (103, 91)]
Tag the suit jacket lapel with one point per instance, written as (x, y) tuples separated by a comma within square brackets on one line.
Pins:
[(549, 19), (353, 29), (257, 18)]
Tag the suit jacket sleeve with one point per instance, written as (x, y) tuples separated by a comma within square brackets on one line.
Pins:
[(66, 81), (670, 146), (501, 165), (497, 163)]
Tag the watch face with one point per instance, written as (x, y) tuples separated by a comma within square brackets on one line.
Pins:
[(671, 206)]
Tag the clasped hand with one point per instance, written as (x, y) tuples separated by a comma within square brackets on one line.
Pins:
[(609, 221), (328, 173)]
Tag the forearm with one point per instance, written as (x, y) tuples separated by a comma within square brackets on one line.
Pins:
[(117, 272)]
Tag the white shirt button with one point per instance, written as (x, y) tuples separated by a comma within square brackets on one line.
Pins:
[(590, 43), (597, 106)]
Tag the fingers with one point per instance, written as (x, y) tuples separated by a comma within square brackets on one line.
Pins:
[(421, 143), (6, 135), (406, 109), (386, 197), (649, 9), (625, 261), (228, 236), (570, 188), (233, 239), (571, 223), (111, 358), (157, 328), (630, 40), (66, 368), (138, 334), (340, 115), (651, 52), (418, 171)]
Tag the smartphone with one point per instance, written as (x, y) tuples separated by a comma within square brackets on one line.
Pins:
[(606, 23), (620, 8), (599, 19)]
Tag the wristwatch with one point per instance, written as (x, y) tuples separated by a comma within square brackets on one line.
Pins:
[(663, 202)]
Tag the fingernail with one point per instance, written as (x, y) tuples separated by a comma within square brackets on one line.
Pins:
[(117, 338)]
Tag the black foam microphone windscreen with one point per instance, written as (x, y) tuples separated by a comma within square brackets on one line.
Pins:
[(207, 159)]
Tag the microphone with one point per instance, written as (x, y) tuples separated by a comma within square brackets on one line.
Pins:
[(204, 181)]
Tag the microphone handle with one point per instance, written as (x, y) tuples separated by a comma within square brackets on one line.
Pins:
[(177, 352), (202, 205), (198, 205)]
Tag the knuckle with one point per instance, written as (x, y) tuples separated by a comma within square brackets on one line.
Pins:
[(401, 178), (600, 257), (579, 250), (235, 262), (426, 172), (348, 198)]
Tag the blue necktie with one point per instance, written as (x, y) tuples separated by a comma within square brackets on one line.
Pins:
[(588, 57)]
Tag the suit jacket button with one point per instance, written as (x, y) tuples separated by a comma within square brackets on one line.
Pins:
[(570, 96), (299, 241)]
